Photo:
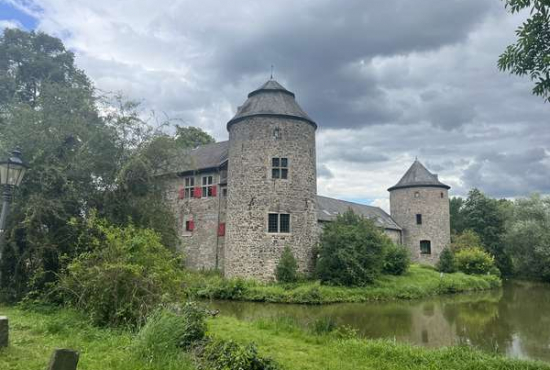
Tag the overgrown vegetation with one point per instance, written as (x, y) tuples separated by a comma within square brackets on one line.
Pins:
[(474, 261), (447, 262), (286, 271), (417, 282), (351, 251), (396, 259)]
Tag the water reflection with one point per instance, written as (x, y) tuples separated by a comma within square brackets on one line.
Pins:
[(514, 321)]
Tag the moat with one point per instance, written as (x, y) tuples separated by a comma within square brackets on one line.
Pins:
[(513, 321)]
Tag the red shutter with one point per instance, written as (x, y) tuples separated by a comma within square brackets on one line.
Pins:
[(214, 190), (191, 225), (197, 192), (181, 193), (221, 229)]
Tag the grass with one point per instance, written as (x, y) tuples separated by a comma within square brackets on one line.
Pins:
[(418, 282), (35, 334), (296, 349)]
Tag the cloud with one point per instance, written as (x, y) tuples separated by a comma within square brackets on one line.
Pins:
[(386, 80), (10, 23)]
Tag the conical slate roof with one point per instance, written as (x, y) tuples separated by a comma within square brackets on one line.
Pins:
[(418, 176), (271, 99)]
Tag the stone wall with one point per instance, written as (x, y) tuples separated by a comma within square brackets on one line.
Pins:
[(250, 250), (202, 247), (433, 204)]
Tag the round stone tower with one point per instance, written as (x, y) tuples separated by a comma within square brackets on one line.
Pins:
[(272, 184), (419, 203)]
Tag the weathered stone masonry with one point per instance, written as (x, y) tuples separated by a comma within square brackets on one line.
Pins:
[(230, 229)]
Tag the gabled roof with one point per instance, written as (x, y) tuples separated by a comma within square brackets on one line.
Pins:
[(418, 176), (329, 208), (201, 158), (271, 99)]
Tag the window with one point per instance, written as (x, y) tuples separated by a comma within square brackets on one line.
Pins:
[(207, 188), (188, 188), (419, 219), (279, 168), (221, 229), (442, 195), (224, 192), (425, 247), (189, 225), (278, 223), (416, 194)]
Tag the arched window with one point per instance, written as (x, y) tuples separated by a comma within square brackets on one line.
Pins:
[(425, 247)]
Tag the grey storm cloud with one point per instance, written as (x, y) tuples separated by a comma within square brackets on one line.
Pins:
[(386, 80)]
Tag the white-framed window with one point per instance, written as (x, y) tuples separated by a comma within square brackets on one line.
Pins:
[(189, 184), (278, 223), (279, 168), (207, 182)]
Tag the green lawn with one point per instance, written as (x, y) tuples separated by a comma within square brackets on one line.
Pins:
[(34, 336), (418, 282), (297, 350)]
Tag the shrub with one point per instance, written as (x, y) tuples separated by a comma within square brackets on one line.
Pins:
[(221, 354), (466, 239), (474, 261), (123, 276), (396, 259), (351, 251), (447, 262), (286, 268)]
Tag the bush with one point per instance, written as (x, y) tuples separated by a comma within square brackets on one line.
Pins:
[(221, 354), (474, 261), (123, 276), (351, 251), (286, 268), (396, 259), (466, 239), (447, 262)]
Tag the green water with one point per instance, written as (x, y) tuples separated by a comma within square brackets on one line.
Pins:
[(514, 320)]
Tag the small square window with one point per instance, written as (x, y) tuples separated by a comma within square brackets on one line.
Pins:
[(284, 162), (419, 219), (275, 162), (275, 173), (425, 247), (284, 173), (279, 168)]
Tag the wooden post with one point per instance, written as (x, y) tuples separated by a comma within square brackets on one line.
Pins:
[(63, 359), (4, 331)]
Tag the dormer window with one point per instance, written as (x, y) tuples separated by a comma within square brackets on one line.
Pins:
[(279, 168)]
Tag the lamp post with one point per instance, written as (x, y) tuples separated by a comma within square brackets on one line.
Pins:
[(12, 171)]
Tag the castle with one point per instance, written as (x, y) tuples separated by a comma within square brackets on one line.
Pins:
[(240, 202)]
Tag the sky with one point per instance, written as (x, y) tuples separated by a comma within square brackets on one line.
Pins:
[(386, 80)]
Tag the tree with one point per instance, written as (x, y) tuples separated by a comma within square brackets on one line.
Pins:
[(351, 251), (483, 215), (457, 220), (530, 55), (447, 261), (192, 137), (286, 271), (464, 240), (528, 237), (397, 259)]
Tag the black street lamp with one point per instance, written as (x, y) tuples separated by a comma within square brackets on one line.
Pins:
[(12, 171)]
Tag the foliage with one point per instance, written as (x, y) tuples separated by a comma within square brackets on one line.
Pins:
[(351, 251), (169, 330), (474, 261), (530, 55), (457, 220), (446, 261), (528, 237), (396, 259), (192, 137), (222, 354), (464, 240), (417, 282), (122, 277), (484, 216), (85, 152), (286, 268)]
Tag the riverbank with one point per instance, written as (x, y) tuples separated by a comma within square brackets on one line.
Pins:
[(297, 349), (418, 282), (34, 335)]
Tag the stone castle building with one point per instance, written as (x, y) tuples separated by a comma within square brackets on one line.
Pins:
[(240, 202)]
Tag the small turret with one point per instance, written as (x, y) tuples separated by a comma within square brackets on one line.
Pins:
[(419, 203)]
